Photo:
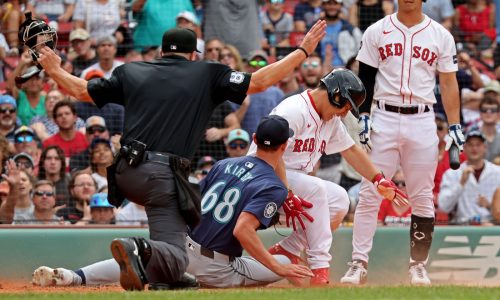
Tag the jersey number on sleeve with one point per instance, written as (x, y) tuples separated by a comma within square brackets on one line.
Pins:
[(224, 208)]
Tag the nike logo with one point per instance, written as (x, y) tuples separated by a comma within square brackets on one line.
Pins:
[(387, 32)]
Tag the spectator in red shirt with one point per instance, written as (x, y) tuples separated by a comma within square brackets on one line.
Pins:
[(68, 138), (389, 213)]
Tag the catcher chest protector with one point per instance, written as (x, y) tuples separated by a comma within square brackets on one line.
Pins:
[(342, 86)]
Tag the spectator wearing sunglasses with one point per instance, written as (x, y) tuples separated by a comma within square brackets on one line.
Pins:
[(27, 142), (204, 166), (95, 129), (68, 138), (45, 126), (237, 143), (260, 104), (8, 117), (489, 125), (44, 201), (25, 162)]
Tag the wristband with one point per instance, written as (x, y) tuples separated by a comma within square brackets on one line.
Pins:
[(303, 50), (378, 177)]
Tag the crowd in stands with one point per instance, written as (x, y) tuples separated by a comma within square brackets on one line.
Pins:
[(54, 149)]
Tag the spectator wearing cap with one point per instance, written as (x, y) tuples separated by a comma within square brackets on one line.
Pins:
[(44, 202), (154, 18), (44, 126), (260, 104), (101, 157), (24, 162), (95, 129), (106, 53), (101, 18), (467, 193), (52, 167), (237, 143), (188, 20), (85, 54), (68, 138), (342, 39), (204, 166), (8, 117), (26, 141), (99, 211), (52, 10), (29, 97)]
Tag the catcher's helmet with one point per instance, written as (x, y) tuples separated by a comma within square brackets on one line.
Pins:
[(343, 85), (34, 33)]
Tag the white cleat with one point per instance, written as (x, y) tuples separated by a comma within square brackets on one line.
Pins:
[(356, 274), (418, 275), (45, 276)]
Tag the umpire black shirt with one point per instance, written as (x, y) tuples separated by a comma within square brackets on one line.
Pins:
[(168, 102)]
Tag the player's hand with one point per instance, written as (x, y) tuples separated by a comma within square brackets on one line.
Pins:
[(295, 271), (315, 34), (48, 59), (294, 209), (389, 190), (365, 128), (454, 136)]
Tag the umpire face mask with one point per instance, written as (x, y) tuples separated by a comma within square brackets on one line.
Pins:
[(36, 34)]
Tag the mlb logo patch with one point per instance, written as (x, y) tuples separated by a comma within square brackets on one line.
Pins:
[(455, 60), (173, 47)]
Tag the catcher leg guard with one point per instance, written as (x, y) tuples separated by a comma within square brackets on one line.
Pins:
[(421, 232)]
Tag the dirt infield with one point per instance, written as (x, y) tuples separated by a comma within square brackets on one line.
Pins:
[(27, 287)]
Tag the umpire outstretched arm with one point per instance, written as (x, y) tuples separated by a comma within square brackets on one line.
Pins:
[(260, 80)]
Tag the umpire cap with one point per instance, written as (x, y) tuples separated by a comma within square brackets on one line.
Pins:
[(180, 40), (342, 86)]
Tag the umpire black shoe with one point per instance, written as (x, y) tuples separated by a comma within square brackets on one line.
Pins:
[(187, 282), (132, 274)]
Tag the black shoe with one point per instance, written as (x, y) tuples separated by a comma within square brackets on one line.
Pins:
[(187, 282), (126, 254)]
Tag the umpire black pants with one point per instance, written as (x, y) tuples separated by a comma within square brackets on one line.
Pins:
[(152, 185)]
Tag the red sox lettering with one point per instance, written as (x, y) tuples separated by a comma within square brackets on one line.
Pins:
[(396, 49), (308, 145)]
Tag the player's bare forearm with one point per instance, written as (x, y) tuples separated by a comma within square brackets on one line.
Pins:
[(450, 96), (360, 161), (75, 86), (245, 232), (273, 73)]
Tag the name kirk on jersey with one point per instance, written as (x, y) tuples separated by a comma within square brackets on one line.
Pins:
[(308, 145), (239, 171), (396, 49)]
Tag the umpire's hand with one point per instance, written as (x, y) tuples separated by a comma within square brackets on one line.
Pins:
[(313, 36), (49, 60)]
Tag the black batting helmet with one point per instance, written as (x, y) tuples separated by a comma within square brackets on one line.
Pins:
[(343, 85), (35, 33)]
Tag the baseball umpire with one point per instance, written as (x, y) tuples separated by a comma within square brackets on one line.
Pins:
[(167, 105)]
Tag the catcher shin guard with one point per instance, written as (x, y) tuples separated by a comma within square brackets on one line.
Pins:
[(421, 232)]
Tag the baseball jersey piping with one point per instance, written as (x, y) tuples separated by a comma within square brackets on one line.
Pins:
[(403, 59), (316, 130), (411, 57)]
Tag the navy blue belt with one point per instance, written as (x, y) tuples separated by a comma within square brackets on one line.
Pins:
[(405, 110)]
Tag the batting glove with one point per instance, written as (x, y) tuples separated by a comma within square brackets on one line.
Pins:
[(294, 209), (455, 136), (365, 127), (389, 190)]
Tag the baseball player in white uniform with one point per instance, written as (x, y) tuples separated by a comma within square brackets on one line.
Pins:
[(315, 117), (399, 57)]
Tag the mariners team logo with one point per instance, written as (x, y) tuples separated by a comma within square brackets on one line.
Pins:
[(236, 77), (270, 210)]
